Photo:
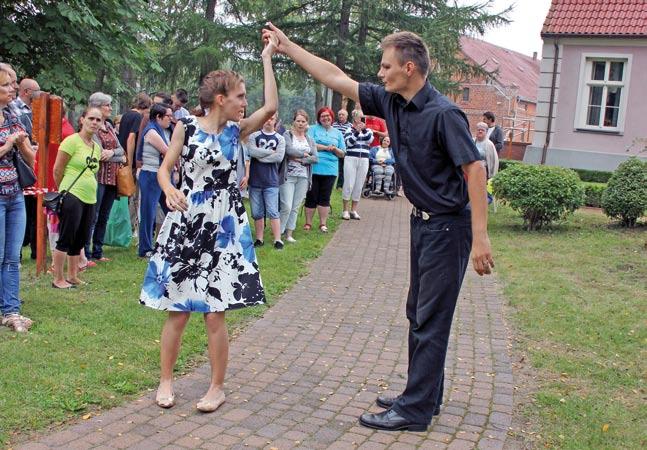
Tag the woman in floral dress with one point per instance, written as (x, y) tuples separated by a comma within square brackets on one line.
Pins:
[(204, 258)]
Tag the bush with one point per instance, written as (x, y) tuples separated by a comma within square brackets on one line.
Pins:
[(506, 163), (593, 176), (542, 194), (626, 195), (593, 194)]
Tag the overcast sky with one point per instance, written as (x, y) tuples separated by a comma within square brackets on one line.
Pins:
[(522, 34)]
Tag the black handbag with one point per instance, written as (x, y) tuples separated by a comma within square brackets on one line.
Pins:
[(53, 201), (26, 175)]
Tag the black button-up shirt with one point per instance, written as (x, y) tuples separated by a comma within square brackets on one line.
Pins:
[(431, 140)]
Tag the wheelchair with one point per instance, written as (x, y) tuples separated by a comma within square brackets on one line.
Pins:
[(369, 190)]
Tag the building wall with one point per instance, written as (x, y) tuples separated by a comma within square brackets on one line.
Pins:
[(569, 146), (488, 97)]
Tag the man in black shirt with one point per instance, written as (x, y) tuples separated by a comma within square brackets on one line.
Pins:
[(494, 133), (441, 173), (130, 122)]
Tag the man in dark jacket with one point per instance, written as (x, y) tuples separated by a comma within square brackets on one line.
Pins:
[(494, 132)]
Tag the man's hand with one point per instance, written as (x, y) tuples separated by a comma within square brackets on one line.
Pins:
[(243, 182), (482, 255), (272, 33)]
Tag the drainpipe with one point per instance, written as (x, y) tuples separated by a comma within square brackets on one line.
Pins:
[(549, 127)]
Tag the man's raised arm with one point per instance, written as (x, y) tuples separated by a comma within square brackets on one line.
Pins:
[(323, 71)]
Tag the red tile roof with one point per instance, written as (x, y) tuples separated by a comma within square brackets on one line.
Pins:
[(626, 18), (514, 69)]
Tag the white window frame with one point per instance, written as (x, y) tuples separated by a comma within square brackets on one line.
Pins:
[(583, 90)]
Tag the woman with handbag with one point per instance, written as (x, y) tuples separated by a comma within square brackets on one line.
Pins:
[(112, 157), (76, 164), (155, 138), (14, 147)]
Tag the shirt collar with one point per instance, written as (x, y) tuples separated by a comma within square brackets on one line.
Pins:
[(418, 101)]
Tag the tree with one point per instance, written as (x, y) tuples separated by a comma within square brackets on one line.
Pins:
[(74, 47)]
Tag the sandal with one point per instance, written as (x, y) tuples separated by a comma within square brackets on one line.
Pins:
[(323, 228), (165, 402), (307, 227), (210, 406), (79, 283), (104, 259), (71, 286)]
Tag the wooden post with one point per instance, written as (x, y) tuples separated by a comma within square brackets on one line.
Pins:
[(40, 135)]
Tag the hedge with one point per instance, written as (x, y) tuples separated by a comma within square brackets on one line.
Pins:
[(589, 176), (593, 194)]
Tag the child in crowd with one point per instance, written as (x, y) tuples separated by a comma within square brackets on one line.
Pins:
[(266, 149)]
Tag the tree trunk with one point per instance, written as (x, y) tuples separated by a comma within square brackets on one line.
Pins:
[(342, 39), (210, 14), (318, 96), (98, 83)]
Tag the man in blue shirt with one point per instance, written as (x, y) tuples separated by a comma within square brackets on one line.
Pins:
[(441, 173)]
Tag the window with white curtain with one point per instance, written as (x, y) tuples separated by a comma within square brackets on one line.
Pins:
[(603, 92)]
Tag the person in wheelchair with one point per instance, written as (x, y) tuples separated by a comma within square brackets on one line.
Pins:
[(382, 161)]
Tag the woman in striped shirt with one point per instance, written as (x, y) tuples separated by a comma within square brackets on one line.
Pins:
[(358, 144)]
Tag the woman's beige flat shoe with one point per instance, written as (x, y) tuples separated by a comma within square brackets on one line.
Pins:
[(210, 406), (165, 402)]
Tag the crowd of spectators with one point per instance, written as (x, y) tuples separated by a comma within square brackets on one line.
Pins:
[(284, 169)]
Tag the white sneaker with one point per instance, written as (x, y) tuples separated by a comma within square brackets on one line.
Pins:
[(290, 239), (354, 215), (345, 215)]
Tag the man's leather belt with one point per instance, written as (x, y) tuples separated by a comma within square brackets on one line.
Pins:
[(424, 215)]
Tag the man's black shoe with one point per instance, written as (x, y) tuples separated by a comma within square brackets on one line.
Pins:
[(258, 243), (390, 420), (387, 402)]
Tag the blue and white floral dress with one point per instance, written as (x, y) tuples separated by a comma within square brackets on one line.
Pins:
[(204, 259)]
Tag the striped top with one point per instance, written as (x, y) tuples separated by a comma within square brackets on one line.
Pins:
[(358, 141)]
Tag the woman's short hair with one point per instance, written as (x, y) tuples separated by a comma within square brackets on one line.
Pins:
[(88, 109), (409, 47), (357, 113), (384, 137), (301, 112), (217, 82), (325, 109), (157, 110), (99, 99)]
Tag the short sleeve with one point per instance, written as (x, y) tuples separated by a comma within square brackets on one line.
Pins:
[(373, 99), (454, 135), (134, 128), (67, 146)]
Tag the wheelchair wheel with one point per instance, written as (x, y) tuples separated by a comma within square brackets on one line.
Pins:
[(366, 192)]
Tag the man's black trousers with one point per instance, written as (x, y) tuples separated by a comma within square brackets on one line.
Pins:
[(440, 249)]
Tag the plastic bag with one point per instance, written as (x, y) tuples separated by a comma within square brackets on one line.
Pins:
[(119, 231)]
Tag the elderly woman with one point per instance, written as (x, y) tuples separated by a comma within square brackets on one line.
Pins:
[(77, 162), (156, 138), (14, 143), (301, 153), (112, 156), (330, 146), (358, 146)]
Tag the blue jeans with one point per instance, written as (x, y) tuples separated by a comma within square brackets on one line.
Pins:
[(106, 195), (292, 191), (13, 219), (264, 201), (150, 195)]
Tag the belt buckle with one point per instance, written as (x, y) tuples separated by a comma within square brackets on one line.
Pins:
[(425, 215)]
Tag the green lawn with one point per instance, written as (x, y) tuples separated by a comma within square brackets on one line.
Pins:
[(95, 347), (579, 302)]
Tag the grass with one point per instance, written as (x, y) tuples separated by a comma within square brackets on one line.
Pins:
[(579, 300), (95, 347)]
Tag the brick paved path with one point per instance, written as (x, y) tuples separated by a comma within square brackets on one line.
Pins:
[(301, 376)]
